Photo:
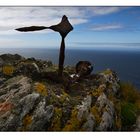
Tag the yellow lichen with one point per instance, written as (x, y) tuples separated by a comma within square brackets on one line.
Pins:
[(108, 71), (56, 123), (73, 124), (8, 70), (53, 99), (95, 112), (98, 92), (64, 97), (27, 120), (41, 88)]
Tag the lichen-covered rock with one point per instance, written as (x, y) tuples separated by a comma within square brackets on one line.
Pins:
[(106, 122), (27, 103), (41, 117), (83, 109), (15, 88), (12, 91), (29, 69), (52, 103), (10, 58), (111, 80), (89, 125)]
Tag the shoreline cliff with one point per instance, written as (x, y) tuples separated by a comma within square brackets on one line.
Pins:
[(34, 98)]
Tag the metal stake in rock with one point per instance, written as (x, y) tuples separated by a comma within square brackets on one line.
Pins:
[(64, 27)]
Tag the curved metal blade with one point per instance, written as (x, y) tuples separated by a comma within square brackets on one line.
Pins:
[(64, 27), (31, 28)]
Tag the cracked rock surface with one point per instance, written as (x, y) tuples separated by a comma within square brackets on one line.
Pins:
[(28, 103)]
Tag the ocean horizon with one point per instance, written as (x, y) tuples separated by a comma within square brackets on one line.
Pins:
[(125, 63)]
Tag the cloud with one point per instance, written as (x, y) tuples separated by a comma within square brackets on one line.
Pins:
[(105, 10), (14, 17), (103, 27)]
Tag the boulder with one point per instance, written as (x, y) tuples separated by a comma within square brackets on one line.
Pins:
[(28, 69), (11, 58)]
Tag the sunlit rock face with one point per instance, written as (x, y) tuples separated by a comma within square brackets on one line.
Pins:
[(33, 98)]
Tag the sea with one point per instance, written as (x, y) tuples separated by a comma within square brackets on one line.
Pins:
[(126, 63)]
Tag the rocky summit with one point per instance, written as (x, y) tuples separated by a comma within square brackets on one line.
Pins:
[(34, 98)]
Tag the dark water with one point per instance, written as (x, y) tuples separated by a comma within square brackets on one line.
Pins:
[(125, 63)]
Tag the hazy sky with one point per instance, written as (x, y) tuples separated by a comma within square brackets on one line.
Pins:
[(92, 25)]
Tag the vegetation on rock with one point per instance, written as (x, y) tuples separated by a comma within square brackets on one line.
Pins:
[(8, 70), (27, 120), (37, 100), (130, 109), (41, 88)]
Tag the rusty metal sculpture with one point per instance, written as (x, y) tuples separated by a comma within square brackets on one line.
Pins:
[(64, 27)]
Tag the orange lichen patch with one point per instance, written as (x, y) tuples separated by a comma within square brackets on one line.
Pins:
[(41, 88), (8, 70), (5, 106), (27, 120)]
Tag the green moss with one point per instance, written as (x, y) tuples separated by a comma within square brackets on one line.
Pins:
[(128, 113)]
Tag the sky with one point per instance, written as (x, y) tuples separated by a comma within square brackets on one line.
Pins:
[(94, 27)]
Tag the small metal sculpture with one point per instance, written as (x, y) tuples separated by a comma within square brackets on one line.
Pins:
[(64, 27)]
